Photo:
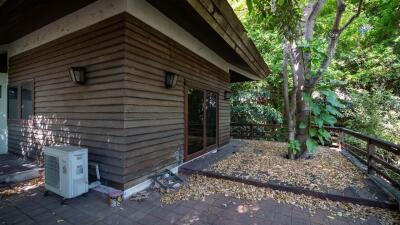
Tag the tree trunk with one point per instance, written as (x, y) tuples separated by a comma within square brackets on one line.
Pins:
[(302, 118), (298, 112), (288, 114)]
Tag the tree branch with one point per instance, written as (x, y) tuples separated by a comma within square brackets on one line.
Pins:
[(295, 67), (286, 86), (310, 15), (334, 37), (357, 14)]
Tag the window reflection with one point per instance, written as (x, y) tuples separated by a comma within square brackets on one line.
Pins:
[(195, 120), (12, 100), (26, 101), (211, 122), (20, 101), (202, 119)]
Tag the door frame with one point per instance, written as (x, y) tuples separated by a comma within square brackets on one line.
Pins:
[(205, 149)]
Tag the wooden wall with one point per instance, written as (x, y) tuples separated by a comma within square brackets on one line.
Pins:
[(66, 113), (154, 113), (131, 124)]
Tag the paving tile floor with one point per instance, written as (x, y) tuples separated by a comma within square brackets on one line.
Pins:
[(14, 170), (32, 207), (11, 164)]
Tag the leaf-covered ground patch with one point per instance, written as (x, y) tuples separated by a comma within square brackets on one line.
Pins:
[(19, 188), (265, 161), (200, 187)]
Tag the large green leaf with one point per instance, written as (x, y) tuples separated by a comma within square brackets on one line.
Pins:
[(334, 101), (333, 111), (321, 139), (312, 131), (302, 125), (249, 5), (324, 133), (294, 146), (329, 119), (311, 145), (319, 122), (316, 109), (306, 97), (328, 93)]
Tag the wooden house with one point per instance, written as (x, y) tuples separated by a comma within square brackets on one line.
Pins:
[(143, 84)]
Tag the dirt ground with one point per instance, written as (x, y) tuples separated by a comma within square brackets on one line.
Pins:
[(266, 161)]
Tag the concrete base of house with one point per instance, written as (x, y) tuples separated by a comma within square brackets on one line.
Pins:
[(148, 182)]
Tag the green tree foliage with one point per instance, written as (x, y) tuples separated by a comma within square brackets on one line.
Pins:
[(325, 109), (368, 56), (251, 103), (310, 48), (281, 16), (263, 101), (365, 72), (376, 114)]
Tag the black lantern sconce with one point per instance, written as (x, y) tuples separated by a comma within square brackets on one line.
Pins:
[(170, 79), (227, 95), (77, 74)]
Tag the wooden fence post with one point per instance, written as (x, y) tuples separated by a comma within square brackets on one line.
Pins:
[(371, 152)]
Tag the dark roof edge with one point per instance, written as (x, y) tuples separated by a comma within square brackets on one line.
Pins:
[(221, 17)]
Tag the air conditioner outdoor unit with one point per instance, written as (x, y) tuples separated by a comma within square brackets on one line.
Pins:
[(66, 170)]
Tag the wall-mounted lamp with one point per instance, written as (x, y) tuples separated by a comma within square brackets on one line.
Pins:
[(77, 74), (227, 95), (170, 79)]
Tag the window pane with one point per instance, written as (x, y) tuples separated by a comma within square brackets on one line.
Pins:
[(26, 101), (12, 99), (196, 120), (211, 121)]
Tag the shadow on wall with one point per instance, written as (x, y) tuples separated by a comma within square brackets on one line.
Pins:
[(45, 131)]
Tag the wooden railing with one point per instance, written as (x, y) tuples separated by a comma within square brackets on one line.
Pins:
[(269, 132), (382, 158)]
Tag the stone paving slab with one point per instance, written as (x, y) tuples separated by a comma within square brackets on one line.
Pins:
[(34, 208), (15, 170)]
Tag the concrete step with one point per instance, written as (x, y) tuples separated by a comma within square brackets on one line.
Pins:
[(14, 170)]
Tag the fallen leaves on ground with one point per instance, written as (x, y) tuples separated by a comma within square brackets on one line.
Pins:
[(199, 187), (266, 161), (20, 187)]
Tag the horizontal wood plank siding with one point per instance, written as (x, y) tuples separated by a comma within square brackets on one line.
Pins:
[(157, 110), (90, 115), (132, 125)]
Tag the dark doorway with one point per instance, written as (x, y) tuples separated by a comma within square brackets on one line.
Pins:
[(3, 63), (201, 121), (211, 120)]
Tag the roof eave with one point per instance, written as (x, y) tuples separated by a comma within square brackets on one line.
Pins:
[(221, 17)]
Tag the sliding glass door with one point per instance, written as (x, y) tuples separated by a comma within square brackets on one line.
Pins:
[(202, 121), (211, 118), (195, 120)]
